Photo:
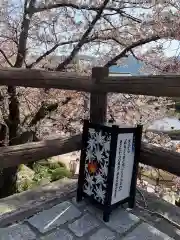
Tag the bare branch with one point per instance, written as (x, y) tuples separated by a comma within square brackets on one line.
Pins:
[(130, 47), (86, 7), (58, 5), (24, 33), (9, 38), (42, 112), (48, 52), (124, 14), (6, 58), (43, 56), (83, 39)]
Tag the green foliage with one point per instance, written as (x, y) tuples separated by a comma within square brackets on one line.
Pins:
[(21, 166), (41, 172), (54, 165), (51, 171), (25, 185), (59, 173)]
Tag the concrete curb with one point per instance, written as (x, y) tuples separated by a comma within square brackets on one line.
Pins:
[(38, 200)]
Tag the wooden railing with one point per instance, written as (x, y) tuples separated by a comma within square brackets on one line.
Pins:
[(150, 155), (99, 84), (163, 85)]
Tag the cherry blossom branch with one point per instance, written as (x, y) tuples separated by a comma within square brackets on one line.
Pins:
[(6, 58), (21, 54), (77, 48), (92, 39), (84, 7), (48, 52), (130, 47)]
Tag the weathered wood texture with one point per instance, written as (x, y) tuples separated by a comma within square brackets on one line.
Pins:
[(175, 137), (160, 158), (145, 85), (44, 79), (173, 134), (98, 100), (30, 152), (160, 85), (150, 155)]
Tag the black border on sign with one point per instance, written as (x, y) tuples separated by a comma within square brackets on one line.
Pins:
[(109, 189), (130, 197), (86, 126), (138, 136), (82, 161), (114, 131)]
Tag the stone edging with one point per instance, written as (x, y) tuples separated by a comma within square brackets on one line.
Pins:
[(65, 190)]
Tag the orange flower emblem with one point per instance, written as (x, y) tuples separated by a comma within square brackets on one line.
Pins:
[(92, 167)]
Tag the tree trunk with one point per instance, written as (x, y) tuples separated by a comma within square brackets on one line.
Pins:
[(9, 175)]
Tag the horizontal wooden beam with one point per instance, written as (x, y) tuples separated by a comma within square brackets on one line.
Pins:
[(175, 137), (162, 85), (160, 158), (159, 85), (173, 134), (30, 152), (44, 79), (15, 155)]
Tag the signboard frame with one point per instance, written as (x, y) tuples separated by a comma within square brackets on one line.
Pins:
[(85, 178)]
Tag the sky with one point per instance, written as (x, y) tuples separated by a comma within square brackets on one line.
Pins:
[(173, 48), (170, 48)]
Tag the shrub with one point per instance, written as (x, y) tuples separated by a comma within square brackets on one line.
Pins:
[(51, 171), (54, 165), (41, 172), (59, 173), (25, 185)]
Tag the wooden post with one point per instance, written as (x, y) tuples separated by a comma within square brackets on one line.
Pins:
[(98, 101)]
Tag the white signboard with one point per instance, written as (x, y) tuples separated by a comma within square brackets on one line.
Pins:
[(123, 167)]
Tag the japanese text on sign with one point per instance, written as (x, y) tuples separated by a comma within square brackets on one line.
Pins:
[(123, 167)]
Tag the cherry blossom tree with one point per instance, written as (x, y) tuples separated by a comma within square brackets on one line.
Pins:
[(34, 32)]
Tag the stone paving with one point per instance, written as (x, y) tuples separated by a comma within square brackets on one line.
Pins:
[(72, 221)]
